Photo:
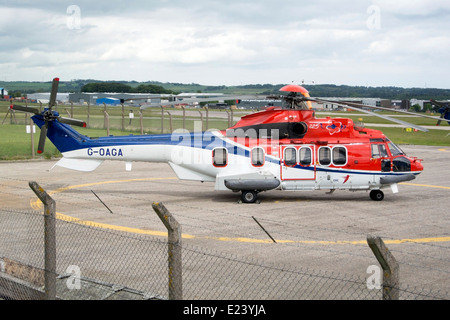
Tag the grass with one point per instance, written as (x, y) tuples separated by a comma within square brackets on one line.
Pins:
[(431, 138), (15, 142)]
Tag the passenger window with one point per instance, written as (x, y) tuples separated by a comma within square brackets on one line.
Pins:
[(258, 157), (324, 156), (290, 156), (395, 150), (339, 156), (220, 157), (305, 156)]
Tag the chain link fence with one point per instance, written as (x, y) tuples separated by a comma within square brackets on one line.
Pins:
[(97, 263), (132, 118)]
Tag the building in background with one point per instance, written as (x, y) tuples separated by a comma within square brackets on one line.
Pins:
[(3, 93)]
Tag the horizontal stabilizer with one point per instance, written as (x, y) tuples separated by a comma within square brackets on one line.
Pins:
[(79, 164)]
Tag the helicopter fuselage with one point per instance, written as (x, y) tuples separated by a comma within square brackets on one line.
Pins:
[(275, 149)]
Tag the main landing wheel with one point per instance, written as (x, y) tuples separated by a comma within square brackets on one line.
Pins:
[(376, 195), (249, 196)]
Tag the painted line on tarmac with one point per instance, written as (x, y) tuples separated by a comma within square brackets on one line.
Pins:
[(37, 205), (424, 185)]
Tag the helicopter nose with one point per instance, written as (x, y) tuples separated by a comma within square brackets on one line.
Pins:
[(416, 165)]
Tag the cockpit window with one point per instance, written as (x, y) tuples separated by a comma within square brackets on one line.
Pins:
[(395, 150), (379, 151), (383, 151)]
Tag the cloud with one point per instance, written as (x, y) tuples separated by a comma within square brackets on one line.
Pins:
[(228, 42)]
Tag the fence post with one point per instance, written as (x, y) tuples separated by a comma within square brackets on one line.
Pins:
[(123, 117), (174, 246), (32, 137), (88, 114), (389, 265), (162, 119), (170, 121), (207, 117), (184, 117), (107, 122), (49, 240), (201, 119), (105, 112), (141, 121)]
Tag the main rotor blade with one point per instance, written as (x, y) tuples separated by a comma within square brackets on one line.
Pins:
[(191, 100), (73, 122), (352, 106), (359, 105), (42, 138), (53, 93), (24, 109)]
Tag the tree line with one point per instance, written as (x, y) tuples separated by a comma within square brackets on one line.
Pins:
[(124, 88), (344, 91), (20, 88)]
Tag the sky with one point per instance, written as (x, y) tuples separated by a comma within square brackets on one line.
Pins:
[(363, 43)]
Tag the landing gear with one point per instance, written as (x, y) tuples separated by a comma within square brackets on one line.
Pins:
[(376, 195), (249, 196)]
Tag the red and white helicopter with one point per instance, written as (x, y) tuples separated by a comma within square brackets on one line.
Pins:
[(279, 148)]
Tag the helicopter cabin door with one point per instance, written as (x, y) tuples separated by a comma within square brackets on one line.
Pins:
[(297, 162), (380, 158)]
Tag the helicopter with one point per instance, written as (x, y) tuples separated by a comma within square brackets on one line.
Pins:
[(282, 147)]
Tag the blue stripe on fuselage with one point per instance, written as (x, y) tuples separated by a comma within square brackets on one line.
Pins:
[(65, 138)]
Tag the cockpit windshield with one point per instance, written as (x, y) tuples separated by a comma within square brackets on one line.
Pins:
[(395, 150)]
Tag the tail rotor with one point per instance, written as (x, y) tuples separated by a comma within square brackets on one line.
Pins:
[(48, 115)]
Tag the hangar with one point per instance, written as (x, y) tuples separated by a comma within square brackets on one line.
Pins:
[(93, 98)]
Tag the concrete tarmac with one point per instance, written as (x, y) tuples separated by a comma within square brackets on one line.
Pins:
[(313, 229)]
